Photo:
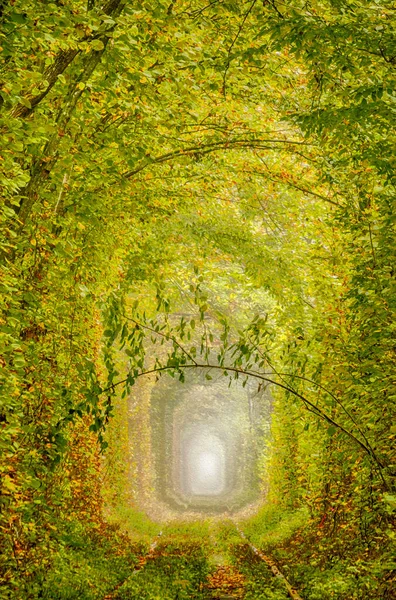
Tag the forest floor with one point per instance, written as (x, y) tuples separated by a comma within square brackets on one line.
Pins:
[(221, 565), (212, 559)]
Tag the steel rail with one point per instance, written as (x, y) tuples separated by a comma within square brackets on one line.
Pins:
[(137, 568), (294, 595)]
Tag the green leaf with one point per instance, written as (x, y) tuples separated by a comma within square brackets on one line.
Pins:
[(97, 45), (18, 18)]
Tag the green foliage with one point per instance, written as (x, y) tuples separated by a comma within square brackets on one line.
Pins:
[(89, 568), (274, 527)]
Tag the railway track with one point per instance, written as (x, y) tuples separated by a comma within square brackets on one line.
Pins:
[(209, 569)]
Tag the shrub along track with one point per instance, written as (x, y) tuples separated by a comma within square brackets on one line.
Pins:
[(218, 565)]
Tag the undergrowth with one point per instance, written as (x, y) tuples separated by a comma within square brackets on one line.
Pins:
[(320, 565), (86, 564)]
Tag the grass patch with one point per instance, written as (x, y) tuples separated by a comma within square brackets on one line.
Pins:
[(273, 527)]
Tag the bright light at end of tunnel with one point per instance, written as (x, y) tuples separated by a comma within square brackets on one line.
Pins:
[(208, 466), (207, 473)]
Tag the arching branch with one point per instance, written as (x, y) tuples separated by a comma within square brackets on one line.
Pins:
[(307, 403), (201, 150)]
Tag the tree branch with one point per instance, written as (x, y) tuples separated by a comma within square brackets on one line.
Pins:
[(60, 64), (211, 147), (165, 336), (233, 44), (294, 185), (307, 403)]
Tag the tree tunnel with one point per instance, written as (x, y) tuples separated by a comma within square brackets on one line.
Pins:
[(206, 435)]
